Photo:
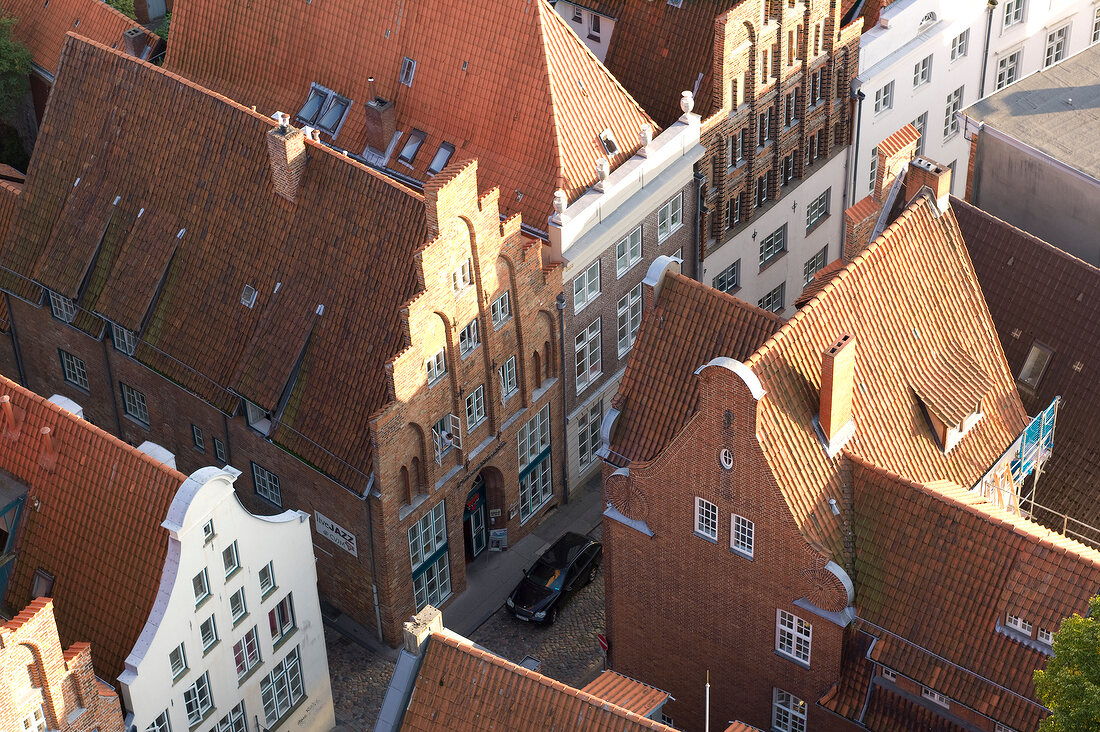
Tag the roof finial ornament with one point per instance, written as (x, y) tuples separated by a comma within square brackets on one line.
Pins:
[(645, 135), (603, 169), (687, 102), (560, 201), (284, 122)]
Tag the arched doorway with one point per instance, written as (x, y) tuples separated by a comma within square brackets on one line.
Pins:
[(474, 533)]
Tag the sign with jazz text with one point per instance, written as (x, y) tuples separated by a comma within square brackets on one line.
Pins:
[(336, 533)]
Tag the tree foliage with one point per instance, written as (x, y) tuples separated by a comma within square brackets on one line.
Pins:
[(165, 25), (126, 7), (1070, 684), (15, 67)]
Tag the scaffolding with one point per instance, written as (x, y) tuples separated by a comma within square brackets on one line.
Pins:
[(1006, 483)]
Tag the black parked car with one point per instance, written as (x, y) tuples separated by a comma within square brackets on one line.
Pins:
[(570, 564)]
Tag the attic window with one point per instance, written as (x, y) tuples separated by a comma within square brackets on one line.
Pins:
[(258, 419), (1038, 358), (593, 27), (62, 307), (248, 296), (42, 585), (676, 3), (324, 109), (412, 147), (577, 14), (610, 144), (408, 71), (442, 157)]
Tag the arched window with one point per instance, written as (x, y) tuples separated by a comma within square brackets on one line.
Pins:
[(548, 359), (927, 20), (417, 477), (536, 362), (407, 496)]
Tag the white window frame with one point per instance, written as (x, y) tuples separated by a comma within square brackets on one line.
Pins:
[(427, 535), (219, 450), (509, 384), (884, 98), (62, 307), (235, 721), (773, 245), (888, 673), (588, 432), (177, 661), (729, 279), (788, 712), (281, 619), (536, 489), (208, 634), (1095, 38), (534, 437), (706, 519), (742, 535), (1055, 51), (160, 724), (246, 653), (433, 585), (954, 104), (1003, 728), (230, 553), (874, 168), (818, 209), (134, 404), (773, 300), (267, 579), (35, 721), (1035, 365), (586, 287), (238, 605), (629, 311), (960, 45), (125, 341), (793, 637), (1008, 69), (814, 264), (1013, 13), (282, 688), (436, 366), (469, 338), (1044, 636), (920, 124), (266, 484), (628, 252), (475, 408), (1018, 623), (935, 697), (257, 417), (408, 71), (501, 309), (446, 433), (197, 700), (922, 72), (200, 584), (588, 355), (462, 277), (74, 370), (197, 438), (670, 217)]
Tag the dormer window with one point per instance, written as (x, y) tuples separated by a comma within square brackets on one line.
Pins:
[(258, 418), (125, 341), (442, 157), (1038, 358), (951, 387), (462, 278), (62, 307), (324, 109), (248, 296), (1017, 623), (408, 71), (412, 147), (610, 144), (593, 27)]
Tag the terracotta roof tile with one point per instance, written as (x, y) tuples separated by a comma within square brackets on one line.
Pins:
[(941, 566), (42, 26), (93, 522), (626, 692), (951, 384), (821, 278), (1037, 292), (507, 83), (165, 239), (903, 298), (898, 141), (9, 198), (689, 325), (741, 727), (462, 687), (849, 694)]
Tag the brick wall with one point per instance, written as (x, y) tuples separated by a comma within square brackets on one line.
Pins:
[(679, 605), (39, 674)]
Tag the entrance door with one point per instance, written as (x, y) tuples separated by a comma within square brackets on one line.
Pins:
[(473, 521)]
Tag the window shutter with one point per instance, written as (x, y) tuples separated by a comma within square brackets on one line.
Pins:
[(437, 443), (456, 431)]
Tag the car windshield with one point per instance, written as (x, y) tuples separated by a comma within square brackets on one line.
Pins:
[(543, 575)]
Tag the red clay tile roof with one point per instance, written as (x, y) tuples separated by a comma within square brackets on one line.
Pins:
[(741, 727), (626, 692), (952, 385), (911, 293), (9, 197), (42, 26), (941, 566), (658, 51), (461, 687), (849, 694), (1037, 292), (889, 712), (504, 81), (166, 239), (821, 278), (93, 522), (689, 325)]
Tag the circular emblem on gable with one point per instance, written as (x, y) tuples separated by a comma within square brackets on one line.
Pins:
[(726, 458), (624, 496)]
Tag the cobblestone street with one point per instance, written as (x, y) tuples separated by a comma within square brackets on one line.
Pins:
[(568, 650)]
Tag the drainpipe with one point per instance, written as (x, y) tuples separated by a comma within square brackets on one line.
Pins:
[(860, 96), (373, 576), (564, 416), (700, 209), (15, 343), (985, 52), (111, 381)]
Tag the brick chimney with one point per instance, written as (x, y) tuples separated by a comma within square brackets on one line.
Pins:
[(838, 371), (894, 154), (925, 173), (420, 629), (381, 123), (286, 147)]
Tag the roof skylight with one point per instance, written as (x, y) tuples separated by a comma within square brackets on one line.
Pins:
[(324, 109)]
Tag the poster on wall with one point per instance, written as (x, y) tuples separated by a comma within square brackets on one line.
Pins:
[(498, 540), (336, 533)]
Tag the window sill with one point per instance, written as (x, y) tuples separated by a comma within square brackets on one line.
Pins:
[(276, 645), (670, 232), (577, 310), (288, 713), (706, 538), (206, 715), (792, 659), (206, 651), (811, 228), (436, 380), (467, 354), (78, 387), (772, 260), (180, 676), (240, 620), (232, 574), (741, 553), (248, 674), (619, 275), (500, 324), (592, 380), (270, 591), (265, 499), (203, 601), (137, 421)]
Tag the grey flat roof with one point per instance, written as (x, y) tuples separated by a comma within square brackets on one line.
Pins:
[(1056, 110)]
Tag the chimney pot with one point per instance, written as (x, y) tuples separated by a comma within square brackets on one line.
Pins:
[(381, 123), (923, 173), (838, 367), (420, 628)]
